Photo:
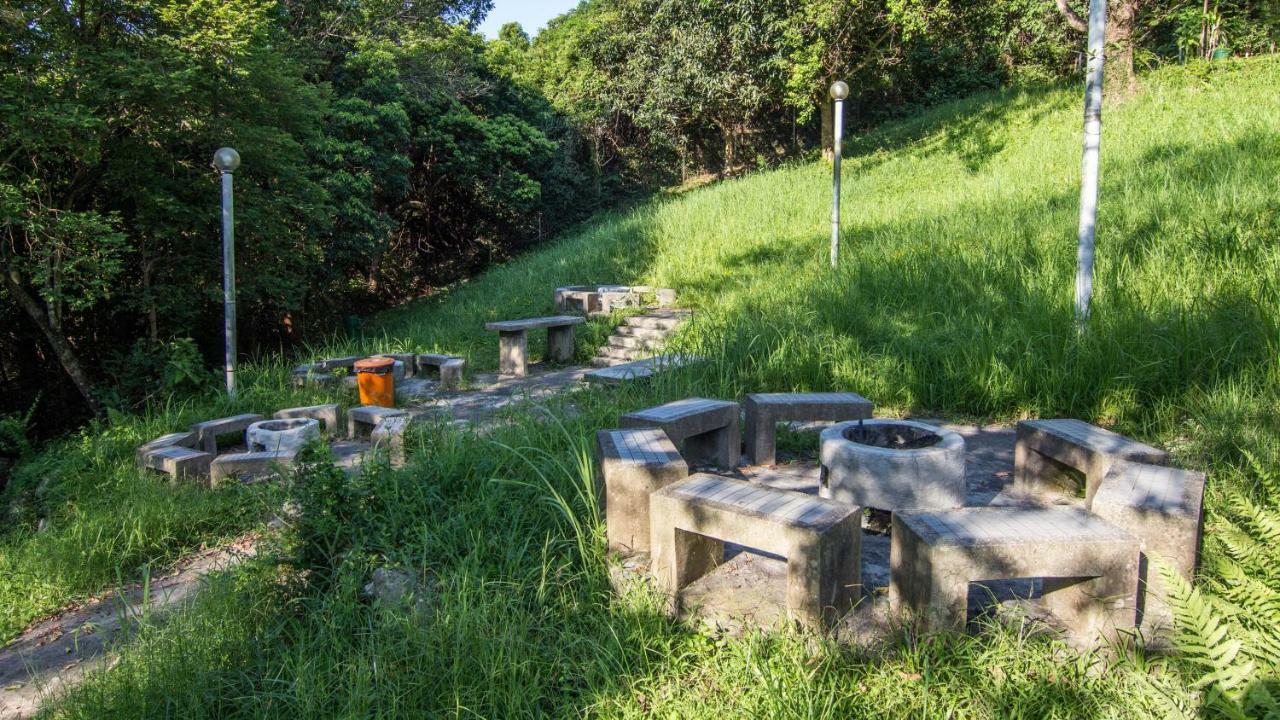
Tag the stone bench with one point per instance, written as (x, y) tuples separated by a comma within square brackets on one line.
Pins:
[(633, 464), (1048, 451), (447, 368), (1164, 508), (247, 465), (208, 432), (1089, 566), (706, 431), (389, 435), (406, 364), (690, 521), (327, 415), (363, 420), (513, 341), (174, 455), (765, 410)]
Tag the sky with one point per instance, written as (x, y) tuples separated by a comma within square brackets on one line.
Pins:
[(531, 14)]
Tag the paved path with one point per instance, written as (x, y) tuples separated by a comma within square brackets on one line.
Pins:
[(55, 654)]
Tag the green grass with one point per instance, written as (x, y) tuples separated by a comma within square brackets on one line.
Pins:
[(953, 296)]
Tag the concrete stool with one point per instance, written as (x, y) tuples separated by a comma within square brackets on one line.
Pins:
[(765, 410), (327, 415), (173, 455), (704, 430), (361, 421), (633, 464), (389, 434), (1048, 451), (1163, 508), (1089, 566), (690, 521), (448, 368), (247, 465), (207, 432)]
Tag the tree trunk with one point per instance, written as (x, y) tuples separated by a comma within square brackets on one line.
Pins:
[(1121, 78), (66, 354)]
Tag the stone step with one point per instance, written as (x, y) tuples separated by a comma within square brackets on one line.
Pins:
[(655, 322), (627, 341), (642, 332), (624, 354), (603, 362)]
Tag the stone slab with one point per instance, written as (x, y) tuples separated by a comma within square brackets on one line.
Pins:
[(1048, 450), (247, 465), (177, 462), (361, 421), (692, 519), (1088, 565), (633, 464), (207, 432), (1164, 508), (704, 429), (765, 410), (534, 323), (328, 415), (639, 369)]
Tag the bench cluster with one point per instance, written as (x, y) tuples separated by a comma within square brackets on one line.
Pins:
[(1092, 555), (447, 370), (194, 454)]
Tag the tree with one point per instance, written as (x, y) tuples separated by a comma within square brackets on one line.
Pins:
[(1121, 78)]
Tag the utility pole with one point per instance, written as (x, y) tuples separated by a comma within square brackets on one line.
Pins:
[(839, 91), (226, 160), (1089, 162)]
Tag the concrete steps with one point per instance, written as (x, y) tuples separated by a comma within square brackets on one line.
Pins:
[(640, 337)]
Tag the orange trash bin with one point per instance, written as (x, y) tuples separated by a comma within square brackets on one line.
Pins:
[(376, 382)]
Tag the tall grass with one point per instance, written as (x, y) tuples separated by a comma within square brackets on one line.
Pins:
[(953, 295)]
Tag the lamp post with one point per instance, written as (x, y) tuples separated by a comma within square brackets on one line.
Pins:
[(226, 160), (839, 91), (1089, 162)]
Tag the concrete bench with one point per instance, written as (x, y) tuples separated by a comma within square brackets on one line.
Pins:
[(447, 368), (363, 420), (248, 465), (706, 431), (1089, 566), (389, 435), (208, 432), (1164, 508), (690, 521), (1048, 451), (327, 415), (633, 464), (173, 455), (406, 364), (513, 341), (765, 410)]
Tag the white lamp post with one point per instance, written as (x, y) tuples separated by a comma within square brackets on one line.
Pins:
[(839, 91), (226, 160)]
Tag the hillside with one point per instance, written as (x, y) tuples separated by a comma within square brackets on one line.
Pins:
[(953, 297)]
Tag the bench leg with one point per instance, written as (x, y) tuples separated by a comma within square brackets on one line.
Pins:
[(560, 343), (920, 586), (824, 574), (729, 445), (761, 436), (678, 557), (1039, 476), (1100, 607), (451, 375), (513, 353)]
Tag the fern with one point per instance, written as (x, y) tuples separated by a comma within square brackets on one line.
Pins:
[(1263, 522)]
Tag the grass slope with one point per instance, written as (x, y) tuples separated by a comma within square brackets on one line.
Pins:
[(953, 295)]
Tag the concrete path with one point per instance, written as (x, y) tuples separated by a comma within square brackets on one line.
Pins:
[(55, 654)]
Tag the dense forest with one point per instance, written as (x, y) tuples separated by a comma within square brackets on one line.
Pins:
[(390, 150)]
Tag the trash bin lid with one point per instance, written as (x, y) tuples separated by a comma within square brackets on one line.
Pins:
[(375, 365)]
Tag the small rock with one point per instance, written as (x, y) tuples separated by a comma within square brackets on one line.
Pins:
[(397, 587)]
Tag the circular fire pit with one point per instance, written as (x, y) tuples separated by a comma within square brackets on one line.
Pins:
[(892, 465), (286, 436)]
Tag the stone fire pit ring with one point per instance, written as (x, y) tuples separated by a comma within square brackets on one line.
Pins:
[(892, 465), (281, 436)]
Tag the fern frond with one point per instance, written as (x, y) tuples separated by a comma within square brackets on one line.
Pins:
[(1204, 639), (1263, 522), (1268, 480), (1254, 597), (1253, 556)]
